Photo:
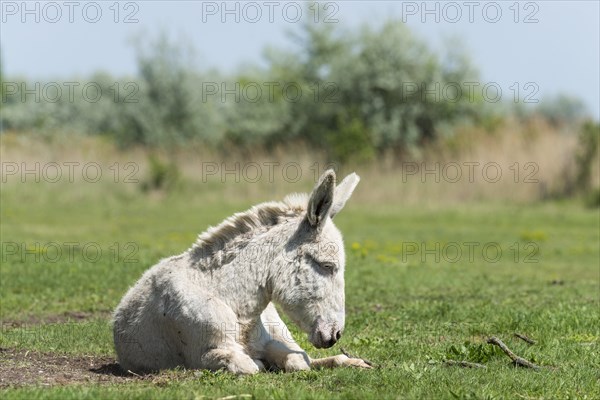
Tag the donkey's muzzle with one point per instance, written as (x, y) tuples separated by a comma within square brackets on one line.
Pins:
[(325, 335), (336, 335)]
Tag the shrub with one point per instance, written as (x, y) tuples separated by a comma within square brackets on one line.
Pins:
[(589, 139), (162, 175)]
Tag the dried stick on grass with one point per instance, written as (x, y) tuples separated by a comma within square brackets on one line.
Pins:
[(464, 364), (515, 358), (525, 338), (344, 352), (134, 374)]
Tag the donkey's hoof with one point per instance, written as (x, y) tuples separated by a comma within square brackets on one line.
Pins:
[(260, 364), (343, 360), (357, 362), (296, 362), (243, 369), (243, 365)]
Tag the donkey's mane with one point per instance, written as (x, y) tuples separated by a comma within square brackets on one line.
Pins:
[(264, 215)]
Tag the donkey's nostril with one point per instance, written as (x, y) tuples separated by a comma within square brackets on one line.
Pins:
[(338, 335)]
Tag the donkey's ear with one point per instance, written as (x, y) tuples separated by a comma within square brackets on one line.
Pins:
[(321, 200), (343, 193)]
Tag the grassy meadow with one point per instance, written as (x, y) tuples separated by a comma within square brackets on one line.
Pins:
[(433, 270)]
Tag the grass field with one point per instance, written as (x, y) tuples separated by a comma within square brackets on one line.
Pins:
[(423, 284)]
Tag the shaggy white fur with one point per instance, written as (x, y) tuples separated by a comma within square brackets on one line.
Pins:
[(212, 306)]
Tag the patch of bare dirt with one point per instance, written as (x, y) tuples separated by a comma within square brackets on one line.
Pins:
[(68, 316), (23, 367)]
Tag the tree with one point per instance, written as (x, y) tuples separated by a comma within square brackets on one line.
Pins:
[(170, 108), (562, 109), (385, 80)]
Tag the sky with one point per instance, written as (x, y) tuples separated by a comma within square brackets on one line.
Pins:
[(540, 48)]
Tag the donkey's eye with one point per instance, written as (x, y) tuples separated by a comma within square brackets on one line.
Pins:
[(322, 266), (328, 266)]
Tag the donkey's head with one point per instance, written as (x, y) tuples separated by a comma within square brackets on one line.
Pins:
[(312, 291)]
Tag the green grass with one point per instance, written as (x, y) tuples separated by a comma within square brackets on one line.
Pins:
[(406, 310)]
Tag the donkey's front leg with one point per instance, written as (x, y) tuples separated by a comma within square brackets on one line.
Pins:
[(280, 349), (286, 356), (218, 346), (341, 360), (232, 359)]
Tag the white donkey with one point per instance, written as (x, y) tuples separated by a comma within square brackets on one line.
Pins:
[(210, 307)]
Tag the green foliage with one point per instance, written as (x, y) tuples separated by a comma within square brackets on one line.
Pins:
[(170, 109), (352, 94), (259, 115), (535, 236), (589, 140), (1, 83), (350, 141), (162, 107), (562, 109), (45, 109), (472, 352), (384, 81), (346, 93), (592, 200), (162, 175)]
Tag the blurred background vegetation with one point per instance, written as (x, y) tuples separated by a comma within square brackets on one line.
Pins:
[(374, 98)]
